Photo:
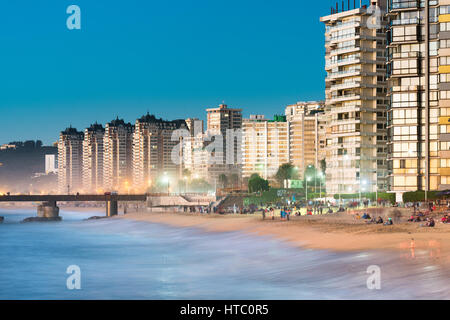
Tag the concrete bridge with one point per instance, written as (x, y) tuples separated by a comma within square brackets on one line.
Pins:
[(50, 209)]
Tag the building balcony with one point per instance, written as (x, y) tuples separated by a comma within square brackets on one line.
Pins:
[(342, 74), (346, 85), (394, 89), (346, 97), (342, 62), (402, 22), (349, 24), (397, 6)]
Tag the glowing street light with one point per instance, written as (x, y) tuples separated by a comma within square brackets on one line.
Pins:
[(321, 176), (165, 179), (307, 180)]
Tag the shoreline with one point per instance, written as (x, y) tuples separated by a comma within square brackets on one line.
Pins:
[(337, 232), (318, 232)]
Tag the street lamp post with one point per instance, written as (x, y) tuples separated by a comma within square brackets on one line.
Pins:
[(166, 179), (307, 179), (361, 188), (320, 184)]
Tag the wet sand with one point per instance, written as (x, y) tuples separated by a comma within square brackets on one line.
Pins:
[(335, 232)]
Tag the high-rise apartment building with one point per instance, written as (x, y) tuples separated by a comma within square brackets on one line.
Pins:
[(117, 155), (419, 110), (307, 134), (70, 160), (224, 127), (195, 126), (51, 165), (93, 158), (356, 103), (153, 143), (265, 145), (195, 156)]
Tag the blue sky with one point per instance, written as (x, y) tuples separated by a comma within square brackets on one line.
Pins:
[(171, 58)]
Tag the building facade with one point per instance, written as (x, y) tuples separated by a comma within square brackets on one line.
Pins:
[(356, 102), (154, 141), (70, 161), (419, 110), (51, 165), (93, 158), (117, 155), (307, 135), (265, 145), (224, 129), (195, 155)]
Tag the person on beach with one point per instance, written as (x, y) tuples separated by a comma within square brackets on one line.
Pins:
[(366, 216), (430, 223), (372, 221), (380, 220), (389, 222)]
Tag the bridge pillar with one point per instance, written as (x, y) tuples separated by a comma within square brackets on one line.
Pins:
[(112, 208), (48, 210)]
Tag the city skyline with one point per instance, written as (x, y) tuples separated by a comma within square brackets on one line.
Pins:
[(180, 69)]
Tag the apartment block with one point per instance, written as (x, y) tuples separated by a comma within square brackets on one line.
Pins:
[(195, 155), (356, 102), (117, 155), (265, 145), (224, 127), (154, 141), (307, 134), (419, 110), (70, 160), (93, 158)]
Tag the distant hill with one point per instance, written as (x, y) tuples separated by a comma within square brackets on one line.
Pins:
[(19, 164)]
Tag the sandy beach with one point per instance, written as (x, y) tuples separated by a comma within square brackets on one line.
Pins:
[(335, 232)]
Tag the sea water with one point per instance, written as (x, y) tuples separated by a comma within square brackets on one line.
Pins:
[(126, 259)]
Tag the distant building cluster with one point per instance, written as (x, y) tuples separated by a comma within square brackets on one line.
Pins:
[(122, 156)]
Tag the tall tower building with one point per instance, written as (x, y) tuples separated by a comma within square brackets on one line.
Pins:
[(356, 103), (307, 134), (117, 155), (153, 144), (93, 158), (419, 110), (265, 145), (195, 157), (70, 161), (226, 123)]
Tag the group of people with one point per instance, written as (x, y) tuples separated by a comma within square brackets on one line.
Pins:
[(429, 222), (445, 219), (374, 220)]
